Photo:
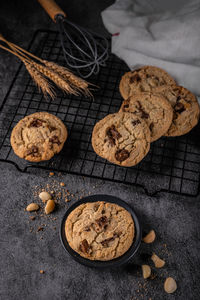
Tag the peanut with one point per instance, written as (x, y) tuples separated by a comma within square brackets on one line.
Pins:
[(170, 285), (44, 196), (158, 262), (146, 271), (32, 207), (150, 237), (49, 206)]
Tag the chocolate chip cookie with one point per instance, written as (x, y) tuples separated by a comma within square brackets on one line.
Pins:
[(185, 109), (122, 138), (145, 79), (154, 109), (38, 137), (100, 230)]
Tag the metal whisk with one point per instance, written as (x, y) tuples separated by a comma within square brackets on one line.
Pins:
[(83, 50)]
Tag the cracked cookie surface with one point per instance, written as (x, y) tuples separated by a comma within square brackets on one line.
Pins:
[(100, 230), (122, 138), (185, 109), (144, 79), (38, 137), (154, 109)]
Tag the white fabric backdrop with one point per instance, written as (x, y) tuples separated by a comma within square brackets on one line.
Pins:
[(158, 32)]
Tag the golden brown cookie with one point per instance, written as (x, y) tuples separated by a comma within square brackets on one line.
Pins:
[(154, 109), (100, 230), (185, 109), (38, 137), (144, 79), (122, 138)]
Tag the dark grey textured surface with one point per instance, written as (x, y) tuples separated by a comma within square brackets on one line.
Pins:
[(23, 254)]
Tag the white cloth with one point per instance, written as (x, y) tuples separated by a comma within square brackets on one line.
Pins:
[(160, 33)]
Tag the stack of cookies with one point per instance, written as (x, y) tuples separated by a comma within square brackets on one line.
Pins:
[(154, 106)]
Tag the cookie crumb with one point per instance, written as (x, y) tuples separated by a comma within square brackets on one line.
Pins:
[(41, 271), (62, 184), (32, 218), (51, 174), (40, 229)]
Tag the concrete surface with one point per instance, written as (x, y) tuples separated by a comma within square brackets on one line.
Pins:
[(23, 253)]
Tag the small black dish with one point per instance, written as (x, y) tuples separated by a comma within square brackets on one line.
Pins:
[(110, 263)]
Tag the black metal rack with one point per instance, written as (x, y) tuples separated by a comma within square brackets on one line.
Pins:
[(172, 165)]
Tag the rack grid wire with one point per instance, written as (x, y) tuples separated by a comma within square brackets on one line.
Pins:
[(172, 164)]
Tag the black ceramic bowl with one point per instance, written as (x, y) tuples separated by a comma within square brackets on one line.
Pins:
[(96, 263)]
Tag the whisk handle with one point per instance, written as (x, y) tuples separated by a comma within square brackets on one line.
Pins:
[(52, 8)]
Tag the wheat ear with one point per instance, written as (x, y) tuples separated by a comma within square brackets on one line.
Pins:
[(78, 83), (56, 78), (41, 82)]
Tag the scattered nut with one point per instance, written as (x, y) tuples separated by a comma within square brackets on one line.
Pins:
[(49, 206), (41, 271), (158, 262), (62, 184), (150, 237), (146, 271), (170, 285), (44, 196), (32, 207)]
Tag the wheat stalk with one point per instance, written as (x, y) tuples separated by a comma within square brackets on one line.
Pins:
[(62, 77)]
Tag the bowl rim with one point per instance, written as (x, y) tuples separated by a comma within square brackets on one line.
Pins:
[(116, 262)]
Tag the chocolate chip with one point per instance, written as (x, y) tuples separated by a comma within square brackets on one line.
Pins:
[(51, 128), (87, 228), (96, 206), (106, 241), (134, 78), (178, 98), (32, 151), (102, 221), (144, 115), (125, 104), (121, 155), (54, 140), (179, 107), (151, 126), (103, 211), (84, 247), (136, 122), (36, 123), (113, 134)]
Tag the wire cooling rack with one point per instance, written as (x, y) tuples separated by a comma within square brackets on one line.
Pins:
[(172, 165)]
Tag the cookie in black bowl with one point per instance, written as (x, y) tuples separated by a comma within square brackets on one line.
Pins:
[(101, 231)]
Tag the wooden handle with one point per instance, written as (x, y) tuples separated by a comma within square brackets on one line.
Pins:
[(52, 8)]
